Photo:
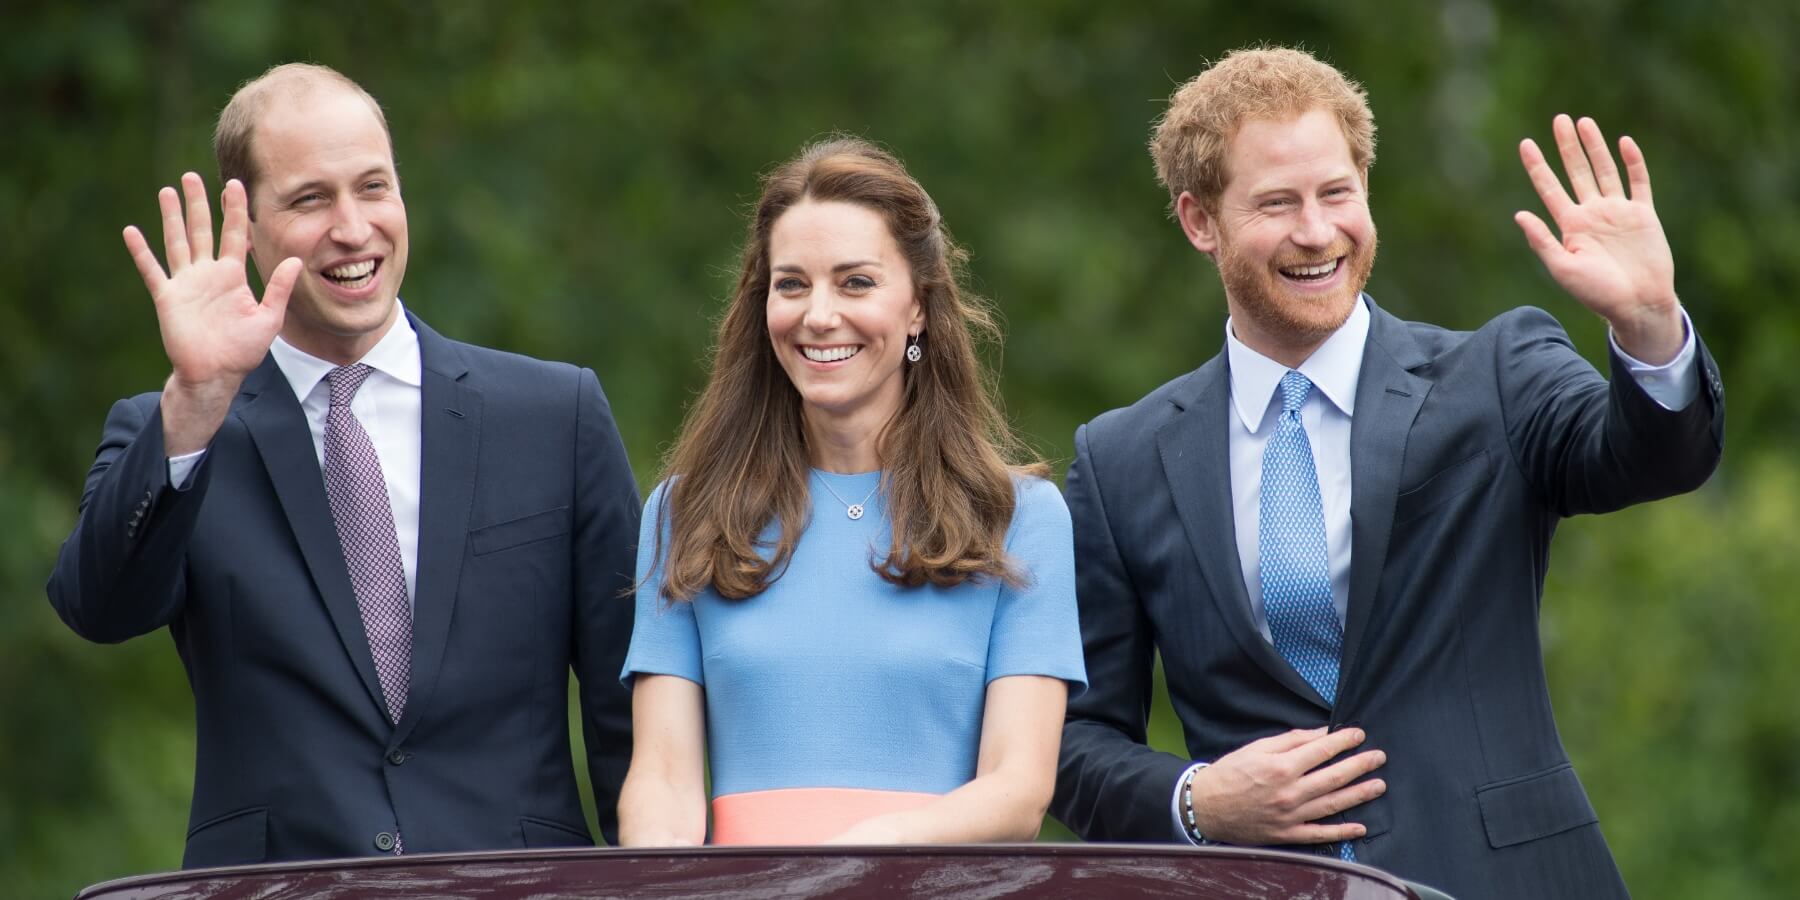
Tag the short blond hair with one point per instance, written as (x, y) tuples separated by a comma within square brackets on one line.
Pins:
[(233, 137), (1191, 139)]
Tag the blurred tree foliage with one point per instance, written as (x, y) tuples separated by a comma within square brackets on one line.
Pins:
[(577, 176)]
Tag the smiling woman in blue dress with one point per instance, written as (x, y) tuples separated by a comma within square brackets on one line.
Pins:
[(855, 600)]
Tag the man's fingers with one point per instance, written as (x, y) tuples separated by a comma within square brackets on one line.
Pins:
[(199, 217), (1543, 179), (1316, 752), (1341, 778), (1635, 169), (234, 237), (1287, 740), (1606, 175), (280, 285), (1320, 834), (1342, 772), (1568, 145), (1538, 235), (1549, 250), (1344, 798), (141, 255), (175, 244)]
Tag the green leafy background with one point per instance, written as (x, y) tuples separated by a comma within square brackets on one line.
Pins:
[(577, 177)]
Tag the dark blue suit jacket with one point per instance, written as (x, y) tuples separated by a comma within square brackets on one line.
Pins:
[(1466, 451), (528, 516)]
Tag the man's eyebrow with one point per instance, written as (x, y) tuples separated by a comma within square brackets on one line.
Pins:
[(1287, 188), (313, 184), (1271, 190), (302, 187)]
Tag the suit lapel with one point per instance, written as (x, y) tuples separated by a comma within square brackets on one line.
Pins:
[(1196, 460), (450, 426), (278, 428), (1388, 398)]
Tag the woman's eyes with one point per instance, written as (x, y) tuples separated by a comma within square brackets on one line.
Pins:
[(855, 284)]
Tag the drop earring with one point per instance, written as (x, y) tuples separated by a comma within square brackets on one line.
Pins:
[(913, 353)]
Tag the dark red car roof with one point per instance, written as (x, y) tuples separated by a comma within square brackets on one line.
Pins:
[(949, 871)]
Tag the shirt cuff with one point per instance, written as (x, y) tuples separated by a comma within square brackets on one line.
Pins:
[(1175, 815), (181, 468), (1674, 384)]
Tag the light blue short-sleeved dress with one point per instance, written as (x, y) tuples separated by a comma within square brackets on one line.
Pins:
[(834, 696)]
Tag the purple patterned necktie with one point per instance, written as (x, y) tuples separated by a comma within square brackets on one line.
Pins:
[(365, 528)]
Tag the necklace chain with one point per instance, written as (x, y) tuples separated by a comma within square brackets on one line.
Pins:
[(853, 510)]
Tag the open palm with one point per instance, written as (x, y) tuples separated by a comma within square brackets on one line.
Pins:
[(1613, 255), (213, 327)]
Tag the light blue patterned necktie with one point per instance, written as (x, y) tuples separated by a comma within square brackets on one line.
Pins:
[(1292, 555)]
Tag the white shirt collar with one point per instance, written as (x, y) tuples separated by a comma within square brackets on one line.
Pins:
[(396, 355), (1333, 368)]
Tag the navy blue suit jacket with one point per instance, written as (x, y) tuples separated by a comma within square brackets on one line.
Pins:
[(527, 520), (1467, 449)]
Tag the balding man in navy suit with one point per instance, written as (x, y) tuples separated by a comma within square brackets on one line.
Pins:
[(379, 551)]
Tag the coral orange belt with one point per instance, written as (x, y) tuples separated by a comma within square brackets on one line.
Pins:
[(802, 815)]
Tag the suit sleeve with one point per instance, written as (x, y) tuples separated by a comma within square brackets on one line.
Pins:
[(606, 529), (1590, 445), (1110, 786), (120, 573)]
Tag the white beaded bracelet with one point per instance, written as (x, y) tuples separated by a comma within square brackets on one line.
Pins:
[(1187, 807)]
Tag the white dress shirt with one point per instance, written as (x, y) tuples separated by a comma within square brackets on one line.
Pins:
[(387, 405), (1256, 401), (1334, 369)]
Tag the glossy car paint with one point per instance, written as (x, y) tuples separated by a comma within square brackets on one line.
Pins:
[(741, 873)]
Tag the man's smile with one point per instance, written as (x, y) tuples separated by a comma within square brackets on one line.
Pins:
[(1312, 273)]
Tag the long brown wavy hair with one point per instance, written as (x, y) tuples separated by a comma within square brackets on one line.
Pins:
[(948, 456)]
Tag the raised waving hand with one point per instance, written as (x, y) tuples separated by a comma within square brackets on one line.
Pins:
[(214, 330), (1613, 255)]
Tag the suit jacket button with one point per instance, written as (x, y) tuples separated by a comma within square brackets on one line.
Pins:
[(396, 757), (384, 842)]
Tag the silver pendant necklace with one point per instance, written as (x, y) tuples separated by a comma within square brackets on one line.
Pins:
[(853, 510)]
